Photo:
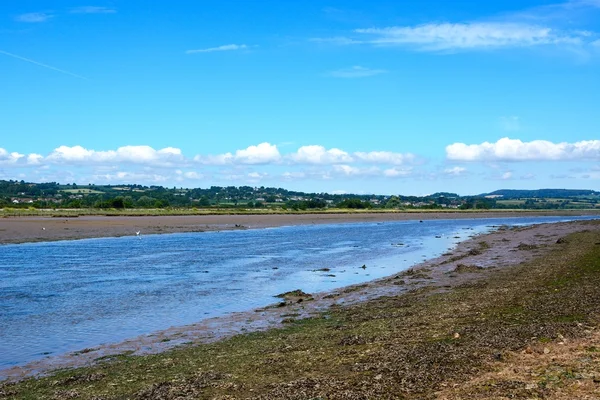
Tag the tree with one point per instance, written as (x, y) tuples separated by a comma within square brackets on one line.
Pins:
[(393, 202), (354, 204)]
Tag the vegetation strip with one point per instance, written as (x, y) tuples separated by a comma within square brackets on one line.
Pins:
[(424, 344), (17, 197)]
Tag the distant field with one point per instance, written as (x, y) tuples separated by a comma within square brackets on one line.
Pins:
[(81, 191), (577, 202), (510, 202)]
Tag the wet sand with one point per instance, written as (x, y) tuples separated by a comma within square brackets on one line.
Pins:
[(468, 262), (39, 229)]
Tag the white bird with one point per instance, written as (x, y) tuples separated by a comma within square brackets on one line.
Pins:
[(138, 234), (43, 228)]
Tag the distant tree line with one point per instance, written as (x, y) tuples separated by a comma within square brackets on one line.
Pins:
[(22, 194)]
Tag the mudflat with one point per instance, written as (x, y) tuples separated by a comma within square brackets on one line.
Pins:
[(39, 229)]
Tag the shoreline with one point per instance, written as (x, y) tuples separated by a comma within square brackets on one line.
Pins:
[(466, 263), (15, 230)]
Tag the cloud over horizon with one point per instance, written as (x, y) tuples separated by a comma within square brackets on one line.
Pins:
[(507, 149)]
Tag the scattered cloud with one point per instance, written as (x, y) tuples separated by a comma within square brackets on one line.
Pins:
[(356, 72), (92, 10), (347, 170), (561, 25), (507, 149), (293, 175), (465, 36), (79, 155), (34, 17), (319, 155), (144, 164), (7, 158), (455, 171), (397, 172), (263, 153), (384, 157), (226, 47), (506, 176)]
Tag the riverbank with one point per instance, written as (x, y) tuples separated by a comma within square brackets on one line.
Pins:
[(39, 229), (416, 333)]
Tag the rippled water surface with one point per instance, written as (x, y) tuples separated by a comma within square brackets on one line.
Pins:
[(64, 296)]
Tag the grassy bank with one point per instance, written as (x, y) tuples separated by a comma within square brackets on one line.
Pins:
[(430, 343), (148, 212)]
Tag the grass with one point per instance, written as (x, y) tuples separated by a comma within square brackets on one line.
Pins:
[(62, 213), (463, 343)]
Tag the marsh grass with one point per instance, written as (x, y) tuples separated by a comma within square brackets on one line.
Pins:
[(80, 212)]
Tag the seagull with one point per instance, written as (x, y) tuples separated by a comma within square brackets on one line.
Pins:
[(138, 234), (43, 228)]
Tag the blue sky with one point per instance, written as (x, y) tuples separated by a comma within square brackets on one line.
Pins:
[(355, 96)]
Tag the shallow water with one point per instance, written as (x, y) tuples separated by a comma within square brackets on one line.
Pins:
[(64, 296)]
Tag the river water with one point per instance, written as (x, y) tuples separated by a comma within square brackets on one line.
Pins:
[(58, 297)]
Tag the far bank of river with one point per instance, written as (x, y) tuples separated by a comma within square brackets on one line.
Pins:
[(42, 229)]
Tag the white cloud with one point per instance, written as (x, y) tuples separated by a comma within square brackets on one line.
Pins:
[(219, 159), (92, 10), (507, 149), (293, 175), (125, 154), (347, 170), (384, 157), (397, 172), (315, 154), (356, 72), (507, 175), (34, 17), (264, 153), (455, 171), (193, 175), (255, 177), (131, 177), (226, 47), (144, 164), (455, 36), (9, 158), (34, 159)]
